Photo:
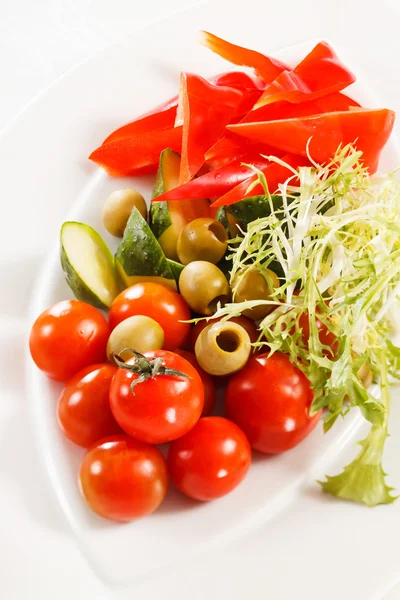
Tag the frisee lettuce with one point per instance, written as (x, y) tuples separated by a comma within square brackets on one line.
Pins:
[(336, 236)]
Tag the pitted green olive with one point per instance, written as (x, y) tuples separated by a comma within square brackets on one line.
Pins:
[(202, 239), (203, 286), (138, 332), (255, 286), (118, 207), (223, 348)]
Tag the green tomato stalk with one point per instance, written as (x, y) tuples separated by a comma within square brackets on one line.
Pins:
[(335, 234)]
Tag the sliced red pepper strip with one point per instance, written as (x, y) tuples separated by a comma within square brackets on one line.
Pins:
[(319, 73), (213, 184), (274, 173), (231, 146), (137, 154), (156, 121), (265, 67), (367, 129), (251, 87), (206, 110)]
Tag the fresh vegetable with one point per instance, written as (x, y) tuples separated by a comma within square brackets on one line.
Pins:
[(156, 397), (208, 384), (265, 67), (213, 184), (139, 332), (211, 460), (223, 348), (270, 399), (253, 284), (321, 135), (203, 286), (156, 301), (122, 479), (338, 244), (140, 257), (253, 207), (202, 239), (84, 412), (162, 117), (68, 337), (204, 110), (244, 322), (169, 218), (304, 82), (274, 174), (88, 264), (138, 154), (118, 207)]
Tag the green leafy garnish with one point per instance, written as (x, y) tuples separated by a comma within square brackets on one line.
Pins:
[(336, 238)]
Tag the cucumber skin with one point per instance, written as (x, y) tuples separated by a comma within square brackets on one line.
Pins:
[(252, 208), (78, 287), (176, 268), (159, 213), (139, 252)]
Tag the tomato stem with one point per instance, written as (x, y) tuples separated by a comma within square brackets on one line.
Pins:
[(145, 367)]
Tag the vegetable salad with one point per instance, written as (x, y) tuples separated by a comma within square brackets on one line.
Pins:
[(266, 265)]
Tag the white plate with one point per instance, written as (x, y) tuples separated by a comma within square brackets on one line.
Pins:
[(69, 122)]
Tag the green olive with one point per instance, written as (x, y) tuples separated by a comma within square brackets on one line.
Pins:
[(254, 286), (223, 348), (118, 207), (365, 375), (203, 286), (202, 239), (138, 332)]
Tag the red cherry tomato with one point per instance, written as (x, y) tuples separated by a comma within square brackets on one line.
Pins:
[(246, 323), (211, 460), (160, 303), (270, 400), (326, 337), (123, 479), (84, 412), (208, 384), (161, 408), (68, 337)]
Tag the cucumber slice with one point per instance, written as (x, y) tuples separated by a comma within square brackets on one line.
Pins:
[(252, 208), (140, 257), (88, 264)]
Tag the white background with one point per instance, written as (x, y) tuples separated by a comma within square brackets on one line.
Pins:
[(39, 40)]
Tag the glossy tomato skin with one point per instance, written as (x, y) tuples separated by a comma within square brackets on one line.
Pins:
[(123, 479), (84, 411), (162, 408), (208, 384), (158, 302), (326, 337), (68, 337), (211, 460), (270, 400), (246, 323)]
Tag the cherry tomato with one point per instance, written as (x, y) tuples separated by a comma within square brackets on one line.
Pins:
[(211, 460), (84, 412), (326, 337), (160, 303), (246, 323), (270, 400), (161, 408), (68, 337), (123, 479), (208, 384)]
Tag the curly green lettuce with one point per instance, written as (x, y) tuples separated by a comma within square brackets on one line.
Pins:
[(336, 236)]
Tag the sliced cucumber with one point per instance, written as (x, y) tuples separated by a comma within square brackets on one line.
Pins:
[(167, 219), (140, 256), (252, 208), (88, 264)]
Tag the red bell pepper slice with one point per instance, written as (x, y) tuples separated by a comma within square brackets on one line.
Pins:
[(205, 109), (137, 154), (367, 129), (251, 87), (232, 146), (274, 173), (265, 67), (162, 118), (213, 184), (318, 74)]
